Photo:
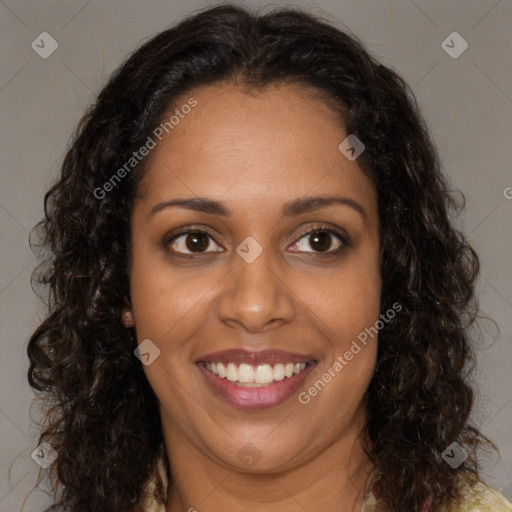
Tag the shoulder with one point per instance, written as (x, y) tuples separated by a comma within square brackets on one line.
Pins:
[(476, 496)]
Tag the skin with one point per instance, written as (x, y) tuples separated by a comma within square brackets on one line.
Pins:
[(253, 154)]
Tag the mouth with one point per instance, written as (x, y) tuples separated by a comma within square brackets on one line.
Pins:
[(255, 380)]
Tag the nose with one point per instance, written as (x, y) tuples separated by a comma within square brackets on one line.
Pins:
[(256, 296)]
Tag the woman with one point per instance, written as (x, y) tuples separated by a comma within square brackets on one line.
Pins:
[(312, 352)]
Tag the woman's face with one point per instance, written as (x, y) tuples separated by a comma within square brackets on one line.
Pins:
[(255, 172)]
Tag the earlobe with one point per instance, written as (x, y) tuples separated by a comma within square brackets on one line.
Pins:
[(127, 318)]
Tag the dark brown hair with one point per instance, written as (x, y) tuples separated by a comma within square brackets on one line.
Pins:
[(102, 415)]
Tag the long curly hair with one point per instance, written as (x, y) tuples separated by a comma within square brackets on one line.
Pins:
[(102, 416)]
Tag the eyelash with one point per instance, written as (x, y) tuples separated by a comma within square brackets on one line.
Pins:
[(321, 228)]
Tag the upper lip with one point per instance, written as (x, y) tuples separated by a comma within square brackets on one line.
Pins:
[(254, 357)]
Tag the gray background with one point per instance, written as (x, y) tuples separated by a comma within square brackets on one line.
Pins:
[(467, 102)]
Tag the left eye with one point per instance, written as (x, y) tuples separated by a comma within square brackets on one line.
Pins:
[(319, 240)]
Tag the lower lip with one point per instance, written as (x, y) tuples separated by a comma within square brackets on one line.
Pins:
[(256, 397)]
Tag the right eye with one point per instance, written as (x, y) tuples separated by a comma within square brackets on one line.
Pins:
[(195, 241)]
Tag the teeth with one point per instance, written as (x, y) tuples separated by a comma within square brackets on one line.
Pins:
[(264, 374), (245, 373), (253, 376), (278, 372), (231, 372)]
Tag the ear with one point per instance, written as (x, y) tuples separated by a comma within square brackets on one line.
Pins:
[(127, 318)]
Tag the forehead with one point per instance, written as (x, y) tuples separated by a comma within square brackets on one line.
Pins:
[(283, 140)]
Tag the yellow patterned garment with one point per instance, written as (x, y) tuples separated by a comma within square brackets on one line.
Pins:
[(477, 498)]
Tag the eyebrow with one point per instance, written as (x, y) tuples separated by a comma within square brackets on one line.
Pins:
[(292, 208)]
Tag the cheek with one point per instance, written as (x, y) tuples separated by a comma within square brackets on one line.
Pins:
[(345, 301), (357, 306), (347, 308), (161, 298), (352, 309)]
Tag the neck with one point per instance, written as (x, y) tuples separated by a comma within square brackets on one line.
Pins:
[(332, 481)]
